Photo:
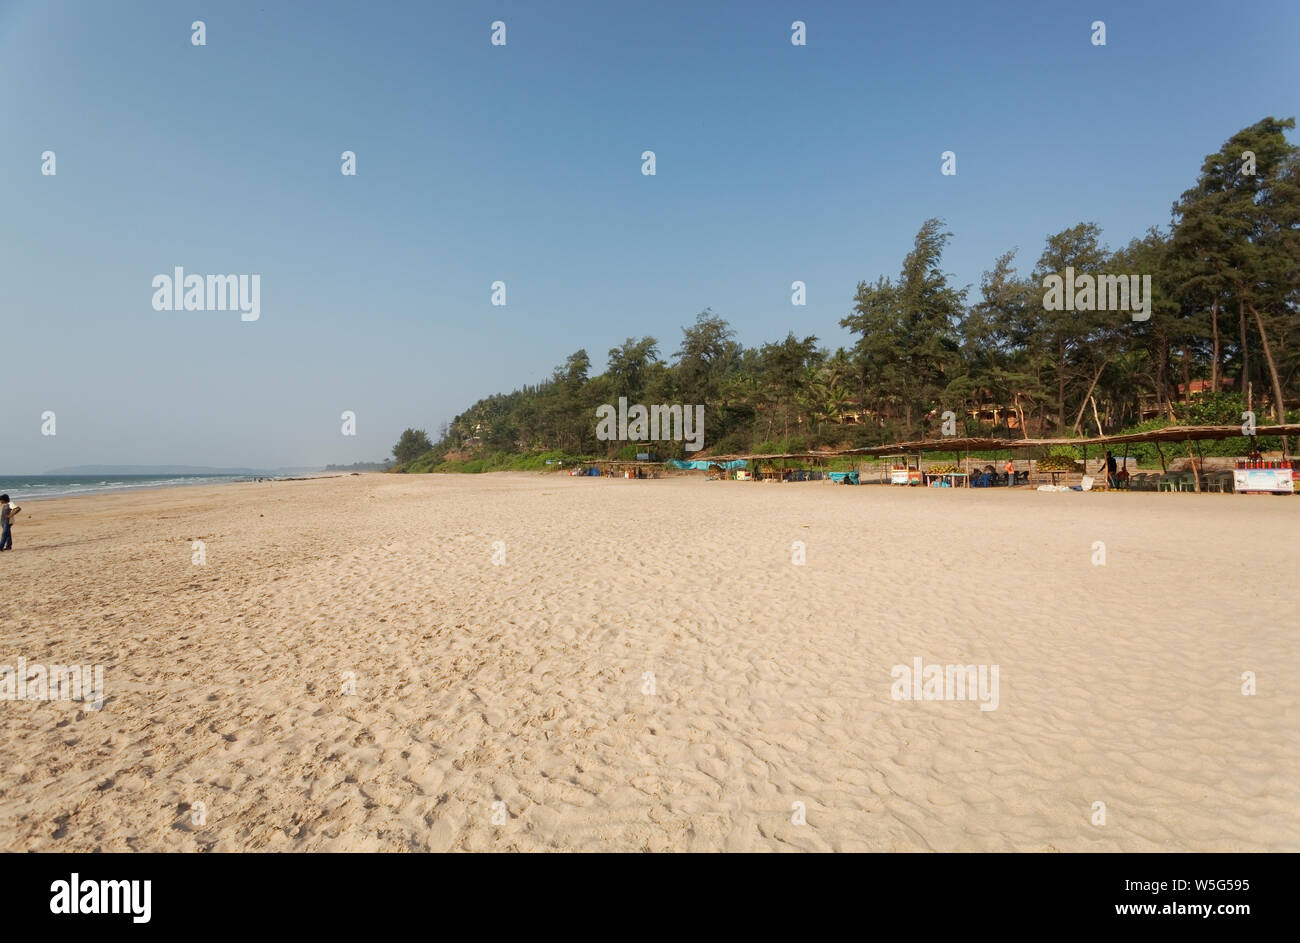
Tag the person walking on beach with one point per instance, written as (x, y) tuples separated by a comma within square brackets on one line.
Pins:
[(1111, 466), (7, 513)]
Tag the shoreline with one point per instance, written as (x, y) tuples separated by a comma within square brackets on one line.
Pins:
[(142, 488)]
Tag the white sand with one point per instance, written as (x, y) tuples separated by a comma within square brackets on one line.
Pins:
[(522, 683)]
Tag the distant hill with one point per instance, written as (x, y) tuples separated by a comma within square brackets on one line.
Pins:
[(361, 466)]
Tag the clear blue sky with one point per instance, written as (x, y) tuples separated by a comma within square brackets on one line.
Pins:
[(522, 163)]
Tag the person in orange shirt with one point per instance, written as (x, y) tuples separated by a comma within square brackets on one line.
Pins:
[(1010, 469)]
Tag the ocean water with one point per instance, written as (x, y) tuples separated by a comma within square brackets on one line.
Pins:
[(22, 488)]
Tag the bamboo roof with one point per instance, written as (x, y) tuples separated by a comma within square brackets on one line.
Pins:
[(975, 444)]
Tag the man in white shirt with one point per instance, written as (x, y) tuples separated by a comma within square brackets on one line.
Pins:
[(7, 513)]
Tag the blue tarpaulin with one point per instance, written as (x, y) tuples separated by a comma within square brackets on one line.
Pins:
[(844, 477), (704, 465)]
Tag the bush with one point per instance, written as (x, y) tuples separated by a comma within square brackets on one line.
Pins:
[(782, 446), (734, 443), (411, 445)]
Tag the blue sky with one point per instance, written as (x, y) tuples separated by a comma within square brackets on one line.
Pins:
[(522, 163)]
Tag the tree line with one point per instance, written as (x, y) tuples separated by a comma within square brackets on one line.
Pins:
[(1223, 333)]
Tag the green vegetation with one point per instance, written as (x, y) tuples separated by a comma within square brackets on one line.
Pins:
[(412, 444), (361, 466), (432, 461), (1224, 320)]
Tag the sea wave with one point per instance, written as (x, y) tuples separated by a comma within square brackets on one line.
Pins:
[(35, 487)]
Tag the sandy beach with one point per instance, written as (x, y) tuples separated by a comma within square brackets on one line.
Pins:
[(539, 662)]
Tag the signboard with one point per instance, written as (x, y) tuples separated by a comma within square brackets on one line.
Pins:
[(1263, 479)]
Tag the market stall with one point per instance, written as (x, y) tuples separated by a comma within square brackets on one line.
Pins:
[(905, 470), (1264, 476), (946, 475)]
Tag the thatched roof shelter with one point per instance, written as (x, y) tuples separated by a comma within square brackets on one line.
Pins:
[(954, 444)]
